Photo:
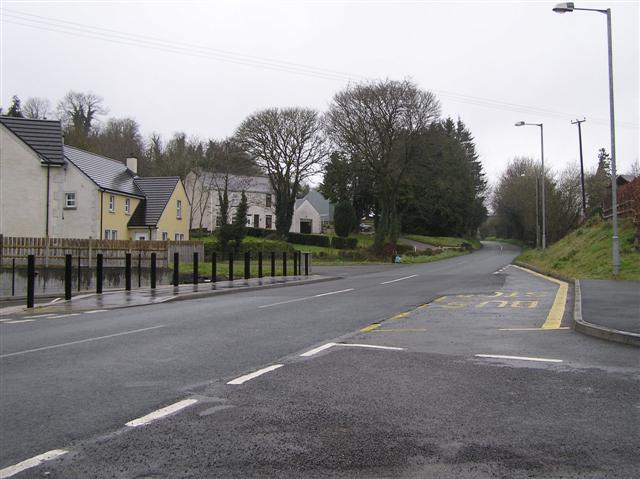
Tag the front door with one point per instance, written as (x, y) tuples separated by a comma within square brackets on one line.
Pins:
[(305, 226)]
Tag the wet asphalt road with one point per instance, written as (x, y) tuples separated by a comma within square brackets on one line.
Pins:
[(431, 409)]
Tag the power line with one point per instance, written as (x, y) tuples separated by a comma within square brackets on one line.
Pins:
[(181, 48)]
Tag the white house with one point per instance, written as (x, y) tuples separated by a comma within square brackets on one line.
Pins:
[(306, 218)]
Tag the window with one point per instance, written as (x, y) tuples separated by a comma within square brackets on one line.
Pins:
[(177, 237), (127, 206), (268, 200), (256, 221), (248, 222), (69, 201), (165, 236), (179, 209), (107, 234), (181, 236), (111, 234), (112, 203), (267, 222)]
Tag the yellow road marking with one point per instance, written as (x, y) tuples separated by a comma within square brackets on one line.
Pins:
[(400, 316), (554, 318), (370, 328), (532, 329), (397, 331)]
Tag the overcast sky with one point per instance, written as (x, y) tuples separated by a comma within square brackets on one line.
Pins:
[(202, 67)]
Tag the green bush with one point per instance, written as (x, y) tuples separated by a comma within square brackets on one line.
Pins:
[(312, 240), (344, 243), (258, 232), (344, 218)]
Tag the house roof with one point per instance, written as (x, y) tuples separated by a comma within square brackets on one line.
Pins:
[(157, 191), (237, 183), (108, 174), (320, 203), (42, 136)]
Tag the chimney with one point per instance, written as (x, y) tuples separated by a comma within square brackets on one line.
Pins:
[(132, 164)]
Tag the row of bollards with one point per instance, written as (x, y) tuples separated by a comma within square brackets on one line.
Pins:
[(68, 266)]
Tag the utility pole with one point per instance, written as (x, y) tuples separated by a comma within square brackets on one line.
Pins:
[(584, 197)]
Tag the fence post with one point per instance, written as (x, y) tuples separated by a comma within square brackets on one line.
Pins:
[(247, 265), (284, 263), (152, 273), (31, 273), (176, 269), (127, 271), (295, 263), (195, 267), (67, 276), (260, 264), (231, 266), (139, 269), (99, 264), (273, 264), (214, 267), (306, 264)]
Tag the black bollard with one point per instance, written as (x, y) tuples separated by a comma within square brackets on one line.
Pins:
[(99, 262), (260, 264), (230, 266), (273, 264), (295, 263), (31, 280), (284, 263), (247, 265), (176, 269), (139, 270), (195, 267), (152, 273), (127, 271), (214, 267), (79, 271), (67, 276), (306, 264), (13, 277)]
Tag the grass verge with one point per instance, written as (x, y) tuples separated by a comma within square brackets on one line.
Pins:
[(445, 241)]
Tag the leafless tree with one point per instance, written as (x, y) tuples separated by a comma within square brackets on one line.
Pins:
[(377, 122), (289, 146), (37, 108), (78, 112)]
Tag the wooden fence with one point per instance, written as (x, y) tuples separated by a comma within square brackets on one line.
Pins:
[(50, 252)]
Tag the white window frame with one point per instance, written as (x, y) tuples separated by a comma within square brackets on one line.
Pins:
[(179, 209), (70, 205), (127, 206), (111, 234), (165, 236), (112, 203), (268, 201), (177, 237)]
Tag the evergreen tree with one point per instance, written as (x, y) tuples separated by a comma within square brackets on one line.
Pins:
[(597, 184), (15, 109), (344, 218)]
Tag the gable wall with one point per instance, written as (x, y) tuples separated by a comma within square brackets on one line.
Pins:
[(168, 221)]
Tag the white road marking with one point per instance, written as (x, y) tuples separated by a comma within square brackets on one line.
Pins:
[(32, 462), (19, 321), (160, 413), (55, 300), (373, 346), (62, 345), (81, 296), (519, 358), (40, 316), (255, 374), (96, 311), (305, 298), (5, 320), (162, 300), (63, 316), (399, 279), (317, 350)]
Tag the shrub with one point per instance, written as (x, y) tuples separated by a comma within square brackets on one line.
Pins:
[(344, 243), (344, 218), (258, 232), (312, 240)]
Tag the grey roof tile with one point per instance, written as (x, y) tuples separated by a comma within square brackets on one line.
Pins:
[(42, 136), (157, 191)]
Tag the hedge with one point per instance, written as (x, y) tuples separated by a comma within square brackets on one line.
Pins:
[(312, 240), (344, 243), (259, 232)]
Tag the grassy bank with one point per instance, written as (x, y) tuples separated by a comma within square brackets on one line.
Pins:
[(444, 241), (586, 253)]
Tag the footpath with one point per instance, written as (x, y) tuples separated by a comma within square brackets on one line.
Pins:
[(608, 309), (144, 296)]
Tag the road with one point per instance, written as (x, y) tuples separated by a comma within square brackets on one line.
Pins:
[(410, 387)]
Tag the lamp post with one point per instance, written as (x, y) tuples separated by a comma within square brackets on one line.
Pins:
[(544, 220), (584, 198), (568, 7)]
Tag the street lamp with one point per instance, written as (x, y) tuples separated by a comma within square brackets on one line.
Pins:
[(544, 220), (567, 8)]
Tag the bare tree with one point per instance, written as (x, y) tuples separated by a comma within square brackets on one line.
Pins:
[(37, 108), (79, 112), (288, 144), (377, 123)]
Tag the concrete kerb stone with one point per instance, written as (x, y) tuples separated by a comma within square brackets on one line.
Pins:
[(185, 295), (579, 324)]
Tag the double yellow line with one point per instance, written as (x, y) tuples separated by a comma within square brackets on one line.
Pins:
[(554, 318)]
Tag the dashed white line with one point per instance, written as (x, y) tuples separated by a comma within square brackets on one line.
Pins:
[(15, 321), (255, 374), (96, 311), (333, 292), (160, 413), (305, 298), (40, 316), (62, 345), (32, 462), (372, 346), (519, 358), (311, 352), (63, 316), (399, 279)]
